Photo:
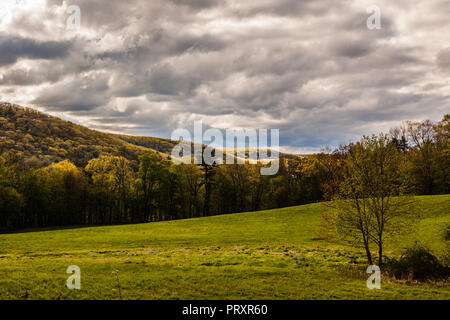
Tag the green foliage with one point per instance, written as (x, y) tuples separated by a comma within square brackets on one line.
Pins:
[(59, 173), (429, 156), (161, 145), (10, 199), (112, 179), (372, 194), (39, 140), (152, 171)]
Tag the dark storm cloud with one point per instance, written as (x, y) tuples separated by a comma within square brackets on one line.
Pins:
[(13, 48), (85, 93), (197, 4), (310, 68), (163, 79), (286, 7), (351, 49), (155, 45)]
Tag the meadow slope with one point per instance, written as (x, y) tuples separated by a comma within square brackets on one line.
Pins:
[(275, 254)]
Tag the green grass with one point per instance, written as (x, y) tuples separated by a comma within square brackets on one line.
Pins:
[(274, 254)]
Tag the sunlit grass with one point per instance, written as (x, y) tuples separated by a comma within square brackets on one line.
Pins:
[(274, 254)]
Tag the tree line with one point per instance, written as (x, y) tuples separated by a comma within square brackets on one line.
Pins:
[(112, 189)]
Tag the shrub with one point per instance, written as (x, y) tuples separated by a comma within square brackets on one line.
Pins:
[(418, 263)]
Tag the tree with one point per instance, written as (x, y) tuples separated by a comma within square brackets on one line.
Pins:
[(441, 161), (310, 174), (372, 201), (113, 176), (65, 186), (192, 176), (150, 178), (34, 196), (170, 200), (399, 137), (10, 198), (421, 135), (238, 177), (259, 186), (333, 164), (209, 171)]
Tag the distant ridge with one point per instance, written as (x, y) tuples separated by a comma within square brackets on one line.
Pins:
[(38, 139)]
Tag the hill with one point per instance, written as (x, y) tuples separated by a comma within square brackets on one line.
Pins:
[(273, 254), (40, 139)]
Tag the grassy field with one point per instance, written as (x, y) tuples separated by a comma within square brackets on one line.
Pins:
[(274, 254)]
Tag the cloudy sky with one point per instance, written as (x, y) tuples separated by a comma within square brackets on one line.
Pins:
[(311, 68)]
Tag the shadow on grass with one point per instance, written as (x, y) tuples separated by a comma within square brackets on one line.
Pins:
[(58, 228)]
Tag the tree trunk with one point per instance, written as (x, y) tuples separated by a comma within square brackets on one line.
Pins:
[(380, 255), (368, 253), (369, 256)]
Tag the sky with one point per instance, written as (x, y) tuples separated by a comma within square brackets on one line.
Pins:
[(311, 68)]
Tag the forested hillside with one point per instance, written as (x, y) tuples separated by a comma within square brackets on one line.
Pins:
[(53, 172), (159, 144), (39, 139)]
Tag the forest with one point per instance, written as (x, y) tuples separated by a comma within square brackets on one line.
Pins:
[(55, 173)]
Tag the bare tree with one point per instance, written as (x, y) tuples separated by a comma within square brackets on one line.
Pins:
[(372, 200)]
